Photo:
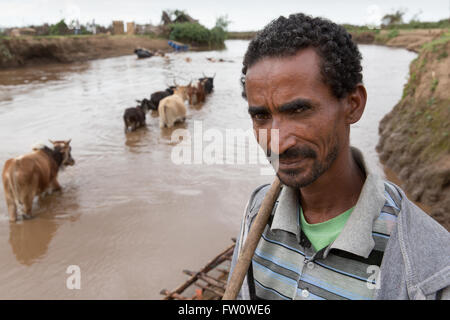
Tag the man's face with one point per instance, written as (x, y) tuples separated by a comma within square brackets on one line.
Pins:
[(288, 94)]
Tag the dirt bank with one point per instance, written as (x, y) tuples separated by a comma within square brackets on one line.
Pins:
[(415, 135), (16, 52), (412, 39)]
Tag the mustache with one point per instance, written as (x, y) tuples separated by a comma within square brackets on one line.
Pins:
[(293, 153)]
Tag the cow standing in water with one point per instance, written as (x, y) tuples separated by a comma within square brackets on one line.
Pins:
[(171, 109), (33, 174)]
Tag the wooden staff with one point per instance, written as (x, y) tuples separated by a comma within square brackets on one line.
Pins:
[(251, 242)]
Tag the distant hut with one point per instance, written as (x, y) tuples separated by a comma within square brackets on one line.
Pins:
[(165, 18), (118, 27), (184, 17), (22, 32), (131, 28), (180, 17)]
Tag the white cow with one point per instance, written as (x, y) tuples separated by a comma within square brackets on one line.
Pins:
[(172, 109)]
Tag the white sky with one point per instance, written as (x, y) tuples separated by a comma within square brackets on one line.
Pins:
[(244, 14)]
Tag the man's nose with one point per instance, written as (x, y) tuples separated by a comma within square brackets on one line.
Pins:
[(281, 133)]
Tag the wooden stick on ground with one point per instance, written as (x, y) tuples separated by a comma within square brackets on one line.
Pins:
[(209, 266), (216, 282), (217, 293), (253, 237)]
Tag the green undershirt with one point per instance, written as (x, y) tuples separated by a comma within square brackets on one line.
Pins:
[(322, 234)]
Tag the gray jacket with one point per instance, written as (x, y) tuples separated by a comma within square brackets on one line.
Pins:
[(416, 262)]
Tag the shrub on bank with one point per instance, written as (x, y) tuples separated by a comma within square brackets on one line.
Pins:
[(196, 34), (59, 28), (218, 36)]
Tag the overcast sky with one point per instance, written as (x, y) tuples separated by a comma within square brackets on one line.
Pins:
[(244, 14)]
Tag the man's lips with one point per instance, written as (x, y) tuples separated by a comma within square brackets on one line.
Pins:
[(290, 163)]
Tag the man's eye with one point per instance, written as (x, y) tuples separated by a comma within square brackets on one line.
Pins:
[(299, 109), (261, 116)]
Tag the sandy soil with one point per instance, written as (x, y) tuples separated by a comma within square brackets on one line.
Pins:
[(413, 39)]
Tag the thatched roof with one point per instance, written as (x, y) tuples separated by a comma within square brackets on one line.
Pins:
[(181, 17)]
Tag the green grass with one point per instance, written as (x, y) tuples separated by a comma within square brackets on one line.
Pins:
[(5, 54), (431, 101), (392, 34), (410, 86), (434, 84), (432, 45), (441, 24), (442, 55), (433, 123)]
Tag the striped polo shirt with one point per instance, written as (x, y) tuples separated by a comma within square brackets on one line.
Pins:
[(286, 266)]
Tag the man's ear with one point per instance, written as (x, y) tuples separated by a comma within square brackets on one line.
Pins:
[(356, 102)]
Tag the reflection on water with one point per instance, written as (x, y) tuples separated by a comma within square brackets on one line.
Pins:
[(128, 216), (166, 133), (30, 239)]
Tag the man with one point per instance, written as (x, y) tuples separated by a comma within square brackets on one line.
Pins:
[(337, 231)]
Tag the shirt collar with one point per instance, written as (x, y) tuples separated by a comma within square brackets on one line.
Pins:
[(356, 236)]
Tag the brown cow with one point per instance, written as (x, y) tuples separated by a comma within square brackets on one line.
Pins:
[(196, 92), (33, 174)]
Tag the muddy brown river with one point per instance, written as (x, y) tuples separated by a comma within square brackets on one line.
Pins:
[(128, 216)]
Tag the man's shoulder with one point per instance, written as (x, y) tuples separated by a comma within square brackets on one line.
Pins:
[(413, 218), (256, 199), (424, 243)]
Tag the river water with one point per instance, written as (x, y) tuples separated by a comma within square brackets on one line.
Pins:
[(128, 216)]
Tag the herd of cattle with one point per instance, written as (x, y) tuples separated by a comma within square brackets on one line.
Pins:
[(35, 174), (169, 104)]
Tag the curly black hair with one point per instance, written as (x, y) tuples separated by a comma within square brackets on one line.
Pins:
[(340, 58)]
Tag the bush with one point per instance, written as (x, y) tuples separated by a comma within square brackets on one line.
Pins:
[(189, 32), (59, 28), (218, 36), (196, 34)]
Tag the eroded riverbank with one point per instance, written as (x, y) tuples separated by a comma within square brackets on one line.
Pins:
[(414, 136), (32, 51)]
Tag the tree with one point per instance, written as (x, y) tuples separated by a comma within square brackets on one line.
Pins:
[(393, 18), (59, 28), (223, 22)]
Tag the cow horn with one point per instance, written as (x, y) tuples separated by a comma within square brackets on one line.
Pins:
[(68, 141), (52, 142)]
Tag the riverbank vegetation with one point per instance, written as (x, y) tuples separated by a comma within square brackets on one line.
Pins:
[(198, 35)]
